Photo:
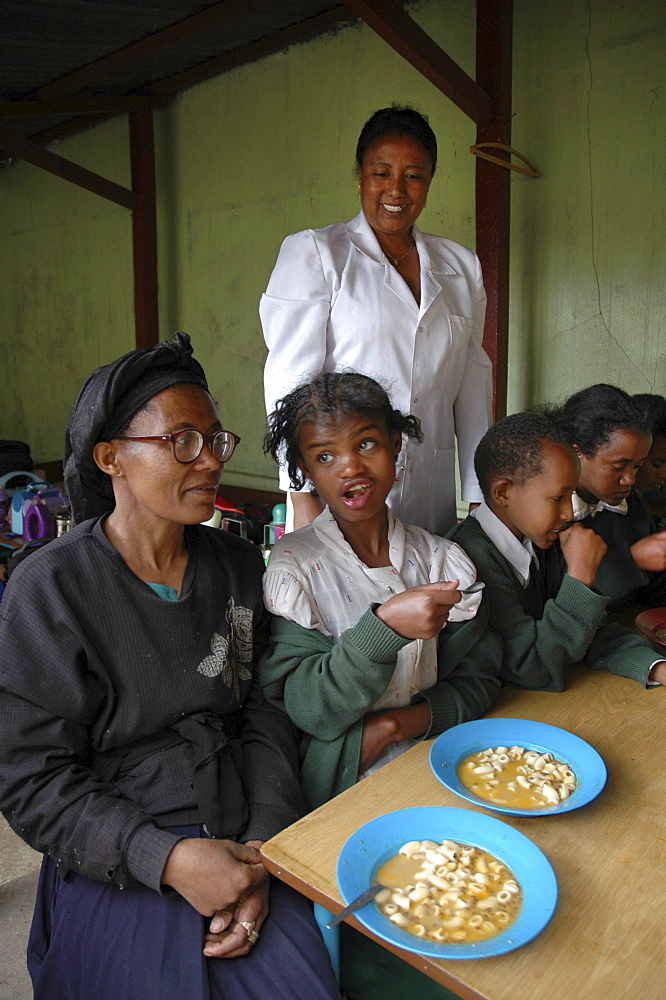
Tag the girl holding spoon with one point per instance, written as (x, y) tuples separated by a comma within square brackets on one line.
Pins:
[(375, 642)]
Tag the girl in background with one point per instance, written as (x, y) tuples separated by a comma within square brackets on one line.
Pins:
[(611, 435), (651, 477)]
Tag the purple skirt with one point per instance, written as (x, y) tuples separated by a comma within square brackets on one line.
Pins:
[(93, 941)]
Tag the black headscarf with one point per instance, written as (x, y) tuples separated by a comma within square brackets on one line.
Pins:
[(107, 401)]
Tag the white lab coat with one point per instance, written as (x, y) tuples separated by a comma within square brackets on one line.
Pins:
[(333, 301)]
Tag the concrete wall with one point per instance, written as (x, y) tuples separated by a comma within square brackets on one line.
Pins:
[(268, 148)]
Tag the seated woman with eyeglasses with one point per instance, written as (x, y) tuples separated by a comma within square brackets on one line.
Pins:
[(137, 751)]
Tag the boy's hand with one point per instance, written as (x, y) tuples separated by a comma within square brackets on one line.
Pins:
[(420, 612), (650, 552), (583, 550)]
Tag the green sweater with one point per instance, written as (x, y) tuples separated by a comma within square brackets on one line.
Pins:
[(326, 687), (555, 622)]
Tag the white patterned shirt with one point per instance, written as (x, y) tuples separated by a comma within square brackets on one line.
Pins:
[(314, 578)]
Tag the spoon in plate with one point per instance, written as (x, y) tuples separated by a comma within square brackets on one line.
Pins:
[(356, 904)]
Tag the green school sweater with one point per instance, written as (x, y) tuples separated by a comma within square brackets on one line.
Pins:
[(553, 622)]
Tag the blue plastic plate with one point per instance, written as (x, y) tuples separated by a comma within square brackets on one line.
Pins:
[(449, 749), (381, 838)]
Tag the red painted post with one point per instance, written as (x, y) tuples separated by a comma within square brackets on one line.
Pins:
[(144, 228), (493, 72)]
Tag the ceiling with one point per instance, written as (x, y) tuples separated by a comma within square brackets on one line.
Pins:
[(67, 64)]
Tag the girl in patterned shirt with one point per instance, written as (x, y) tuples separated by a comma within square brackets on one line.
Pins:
[(371, 637)]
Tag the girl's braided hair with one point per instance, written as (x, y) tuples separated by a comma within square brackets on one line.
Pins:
[(329, 395)]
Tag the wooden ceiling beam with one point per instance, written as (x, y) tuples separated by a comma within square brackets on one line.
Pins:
[(79, 105), (70, 127), (16, 146), (163, 89), (403, 34)]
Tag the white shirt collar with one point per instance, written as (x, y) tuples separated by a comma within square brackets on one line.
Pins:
[(326, 527), (581, 508), (362, 235), (519, 554)]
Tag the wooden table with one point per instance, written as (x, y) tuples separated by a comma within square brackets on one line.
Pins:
[(606, 939)]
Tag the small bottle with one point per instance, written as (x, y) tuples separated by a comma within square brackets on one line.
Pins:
[(278, 519), (63, 522), (274, 530)]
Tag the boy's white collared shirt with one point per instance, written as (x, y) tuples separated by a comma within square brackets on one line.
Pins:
[(519, 554)]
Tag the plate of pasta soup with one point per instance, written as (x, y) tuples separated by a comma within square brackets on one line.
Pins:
[(518, 766), (528, 881)]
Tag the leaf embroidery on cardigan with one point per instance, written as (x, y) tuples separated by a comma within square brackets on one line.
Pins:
[(227, 655)]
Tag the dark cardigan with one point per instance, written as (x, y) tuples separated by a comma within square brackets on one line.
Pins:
[(92, 661), (618, 575)]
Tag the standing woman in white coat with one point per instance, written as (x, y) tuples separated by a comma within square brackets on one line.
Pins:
[(407, 308)]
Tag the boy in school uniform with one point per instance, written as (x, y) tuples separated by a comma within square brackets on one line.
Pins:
[(538, 567)]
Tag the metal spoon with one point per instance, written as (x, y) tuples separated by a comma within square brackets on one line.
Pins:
[(356, 904)]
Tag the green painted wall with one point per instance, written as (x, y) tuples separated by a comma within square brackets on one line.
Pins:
[(268, 148), (65, 286), (588, 264)]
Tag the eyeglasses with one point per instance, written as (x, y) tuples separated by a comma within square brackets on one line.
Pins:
[(187, 445)]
